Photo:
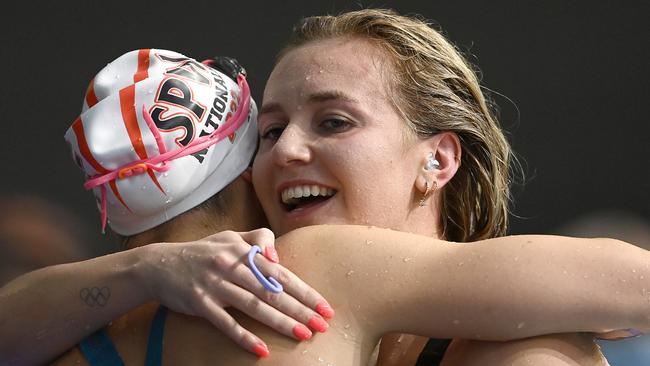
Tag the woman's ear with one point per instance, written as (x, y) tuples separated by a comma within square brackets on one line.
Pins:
[(440, 162)]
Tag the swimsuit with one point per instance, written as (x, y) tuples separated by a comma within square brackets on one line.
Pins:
[(98, 349)]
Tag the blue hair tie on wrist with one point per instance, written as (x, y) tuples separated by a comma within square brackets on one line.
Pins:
[(271, 284)]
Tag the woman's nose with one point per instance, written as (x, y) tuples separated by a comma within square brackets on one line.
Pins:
[(291, 148)]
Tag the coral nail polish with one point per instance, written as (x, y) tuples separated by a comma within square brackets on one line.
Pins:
[(324, 309), (271, 254), (261, 350), (302, 332), (318, 324)]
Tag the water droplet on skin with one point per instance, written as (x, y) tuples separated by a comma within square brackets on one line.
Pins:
[(307, 77), (320, 71), (634, 271), (320, 359), (183, 251), (407, 259), (368, 242), (460, 264), (304, 352), (520, 325), (350, 273), (347, 326), (163, 260)]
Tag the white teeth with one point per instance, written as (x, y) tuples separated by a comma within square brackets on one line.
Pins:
[(290, 194)]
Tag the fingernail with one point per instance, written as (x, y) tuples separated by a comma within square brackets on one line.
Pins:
[(318, 324), (324, 309), (261, 350), (271, 254), (302, 332)]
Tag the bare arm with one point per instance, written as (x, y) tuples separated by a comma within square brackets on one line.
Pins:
[(45, 312), (497, 289)]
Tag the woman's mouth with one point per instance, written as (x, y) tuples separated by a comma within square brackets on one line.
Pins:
[(304, 196)]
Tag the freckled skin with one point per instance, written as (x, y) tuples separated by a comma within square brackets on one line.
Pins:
[(368, 163)]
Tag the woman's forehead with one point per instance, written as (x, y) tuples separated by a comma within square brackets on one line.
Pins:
[(352, 66)]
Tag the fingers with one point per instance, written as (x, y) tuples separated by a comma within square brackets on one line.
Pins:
[(229, 326), (265, 239), (297, 288), (261, 311), (285, 302)]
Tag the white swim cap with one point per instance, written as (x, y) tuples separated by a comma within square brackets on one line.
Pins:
[(160, 133)]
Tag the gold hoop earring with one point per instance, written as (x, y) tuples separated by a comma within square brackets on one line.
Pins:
[(427, 191)]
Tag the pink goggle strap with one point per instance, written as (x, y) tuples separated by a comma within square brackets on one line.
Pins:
[(159, 163)]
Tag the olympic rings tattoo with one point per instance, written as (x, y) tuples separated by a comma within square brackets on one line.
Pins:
[(95, 296)]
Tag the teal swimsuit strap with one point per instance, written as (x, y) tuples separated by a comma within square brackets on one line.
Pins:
[(156, 334), (99, 350)]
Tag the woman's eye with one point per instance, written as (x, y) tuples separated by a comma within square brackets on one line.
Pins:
[(273, 133), (335, 125)]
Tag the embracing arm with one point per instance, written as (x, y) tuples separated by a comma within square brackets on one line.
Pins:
[(497, 289), (45, 312)]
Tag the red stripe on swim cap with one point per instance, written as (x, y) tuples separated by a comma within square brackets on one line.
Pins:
[(127, 106), (78, 128), (117, 194), (91, 98), (143, 66)]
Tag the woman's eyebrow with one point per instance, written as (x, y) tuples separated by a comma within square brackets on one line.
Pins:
[(329, 95), (318, 97)]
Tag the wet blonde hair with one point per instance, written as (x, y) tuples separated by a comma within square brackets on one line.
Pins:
[(435, 90)]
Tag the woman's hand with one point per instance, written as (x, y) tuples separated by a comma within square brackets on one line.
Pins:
[(202, 278)]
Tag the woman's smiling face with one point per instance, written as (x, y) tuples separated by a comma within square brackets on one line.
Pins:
[(330, 135)]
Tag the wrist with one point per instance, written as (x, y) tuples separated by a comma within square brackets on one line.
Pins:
[(139, 272)]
